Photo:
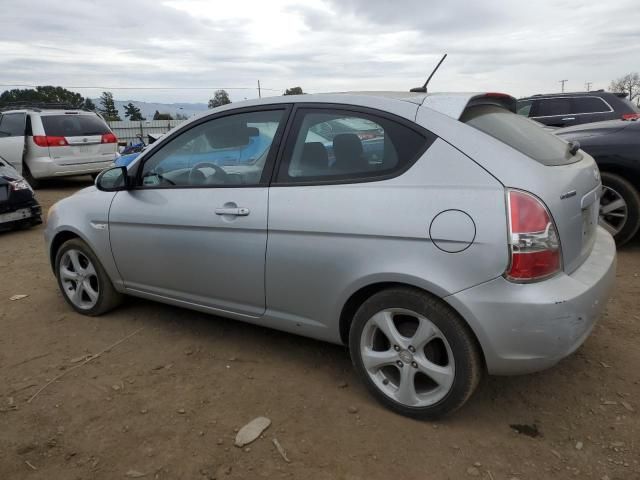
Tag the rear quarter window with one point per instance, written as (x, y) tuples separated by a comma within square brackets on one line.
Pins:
[(73, 125), (520, 133), (590, 105)]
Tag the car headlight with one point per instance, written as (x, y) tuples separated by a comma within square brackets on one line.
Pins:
[(20, 185)]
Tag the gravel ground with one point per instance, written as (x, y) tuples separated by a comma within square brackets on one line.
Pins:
[(166, 403)]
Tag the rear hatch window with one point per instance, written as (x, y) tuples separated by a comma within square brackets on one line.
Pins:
[(520, 133), (74, 125)]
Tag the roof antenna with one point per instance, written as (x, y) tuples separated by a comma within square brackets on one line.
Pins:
[(423, 89)]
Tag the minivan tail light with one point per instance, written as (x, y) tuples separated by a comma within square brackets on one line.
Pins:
[(533, 239), (49, 141), (109, 138)]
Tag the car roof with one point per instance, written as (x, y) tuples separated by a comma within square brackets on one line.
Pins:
[(592, 93), (50, 111), (451, 104)]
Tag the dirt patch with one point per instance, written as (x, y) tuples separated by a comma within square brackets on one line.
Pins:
[(167, 402)]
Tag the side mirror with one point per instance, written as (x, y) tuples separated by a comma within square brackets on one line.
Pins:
[(113, 180)]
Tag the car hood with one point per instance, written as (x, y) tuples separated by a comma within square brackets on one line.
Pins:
[(9, 173), (592, 129)]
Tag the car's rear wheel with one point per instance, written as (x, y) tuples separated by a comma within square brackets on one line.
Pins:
[(414, 353), (83, 281), (619, 208)]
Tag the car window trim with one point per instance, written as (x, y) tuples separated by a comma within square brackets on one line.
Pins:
[(293, 131), (269, 165), (571, 99)]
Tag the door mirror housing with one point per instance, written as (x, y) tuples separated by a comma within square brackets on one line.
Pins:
[(113, 179)]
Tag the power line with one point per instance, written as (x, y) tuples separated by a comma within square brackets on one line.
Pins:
[(141, 88)]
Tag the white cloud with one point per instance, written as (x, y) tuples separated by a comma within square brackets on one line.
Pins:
[(321, 45)]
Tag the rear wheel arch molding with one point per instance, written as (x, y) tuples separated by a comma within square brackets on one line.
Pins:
[(357, 298)]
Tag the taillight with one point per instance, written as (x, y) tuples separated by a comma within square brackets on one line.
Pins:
[(109, 138), (631, 116), (49, 141), (533, 239)]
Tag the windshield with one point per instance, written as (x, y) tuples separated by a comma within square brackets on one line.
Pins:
[(520, 133)]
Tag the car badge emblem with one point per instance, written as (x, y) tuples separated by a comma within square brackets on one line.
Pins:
[(596, 174), (84, 140)]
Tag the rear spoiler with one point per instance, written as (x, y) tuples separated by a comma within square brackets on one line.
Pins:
[(454, 105), (503, 100)]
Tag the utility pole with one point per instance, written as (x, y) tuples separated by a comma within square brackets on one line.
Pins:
[(259, 92), (588, 85), (563, 82)]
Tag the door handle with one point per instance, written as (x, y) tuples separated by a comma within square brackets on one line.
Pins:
[(569, 118), (235, 211)]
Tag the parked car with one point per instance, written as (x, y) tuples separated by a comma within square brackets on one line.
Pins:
[(18, 205), (468, 243), (567, 109), (41, 143), (615, 146)]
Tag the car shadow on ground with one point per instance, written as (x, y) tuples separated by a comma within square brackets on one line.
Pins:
[(324, 360)]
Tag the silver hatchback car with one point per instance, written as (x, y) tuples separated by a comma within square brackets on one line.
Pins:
[(439, 236)]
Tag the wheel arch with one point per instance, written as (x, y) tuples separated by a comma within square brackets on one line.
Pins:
[(58, 240), (629, 174), (357, 298)]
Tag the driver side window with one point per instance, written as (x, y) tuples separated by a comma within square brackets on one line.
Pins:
[(230, 150)]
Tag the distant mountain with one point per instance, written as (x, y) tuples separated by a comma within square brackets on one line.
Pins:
[(148, 109)]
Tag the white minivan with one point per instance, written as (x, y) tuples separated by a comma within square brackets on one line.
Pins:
[(51, 143)]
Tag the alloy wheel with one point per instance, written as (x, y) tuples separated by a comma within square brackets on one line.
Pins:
[(613, 211), (407, 357), (79, 279)]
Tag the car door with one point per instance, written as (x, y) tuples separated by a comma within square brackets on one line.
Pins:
[(194, 229), (12, 136)]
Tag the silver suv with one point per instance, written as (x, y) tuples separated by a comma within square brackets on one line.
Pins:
[(50, 143), (438, 236)]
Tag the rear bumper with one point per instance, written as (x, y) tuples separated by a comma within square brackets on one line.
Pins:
[(45, 167), (529, 327)]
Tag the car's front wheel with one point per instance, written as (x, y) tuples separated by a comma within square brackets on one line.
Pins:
[(83, 281), (414, 353)]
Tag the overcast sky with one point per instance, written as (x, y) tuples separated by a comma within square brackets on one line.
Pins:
[(322, 45)]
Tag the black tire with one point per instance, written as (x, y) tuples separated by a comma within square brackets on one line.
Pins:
[(468, 360), (34, 182), (108, 297), (630, 195)]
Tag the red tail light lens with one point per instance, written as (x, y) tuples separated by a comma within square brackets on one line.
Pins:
[(631, 116), (109, 138), (533, 239), (49, 141)]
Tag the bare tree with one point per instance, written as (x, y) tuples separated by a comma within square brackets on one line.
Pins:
[(629, 84)]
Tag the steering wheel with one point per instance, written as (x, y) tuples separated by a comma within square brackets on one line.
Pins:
[(219, 172)]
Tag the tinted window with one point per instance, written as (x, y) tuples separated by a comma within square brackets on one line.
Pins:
[(552, 106), (339, 145), (230, 150), (520, 133), (73, 125), (12, 125), (524, 107), (589, 105)]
